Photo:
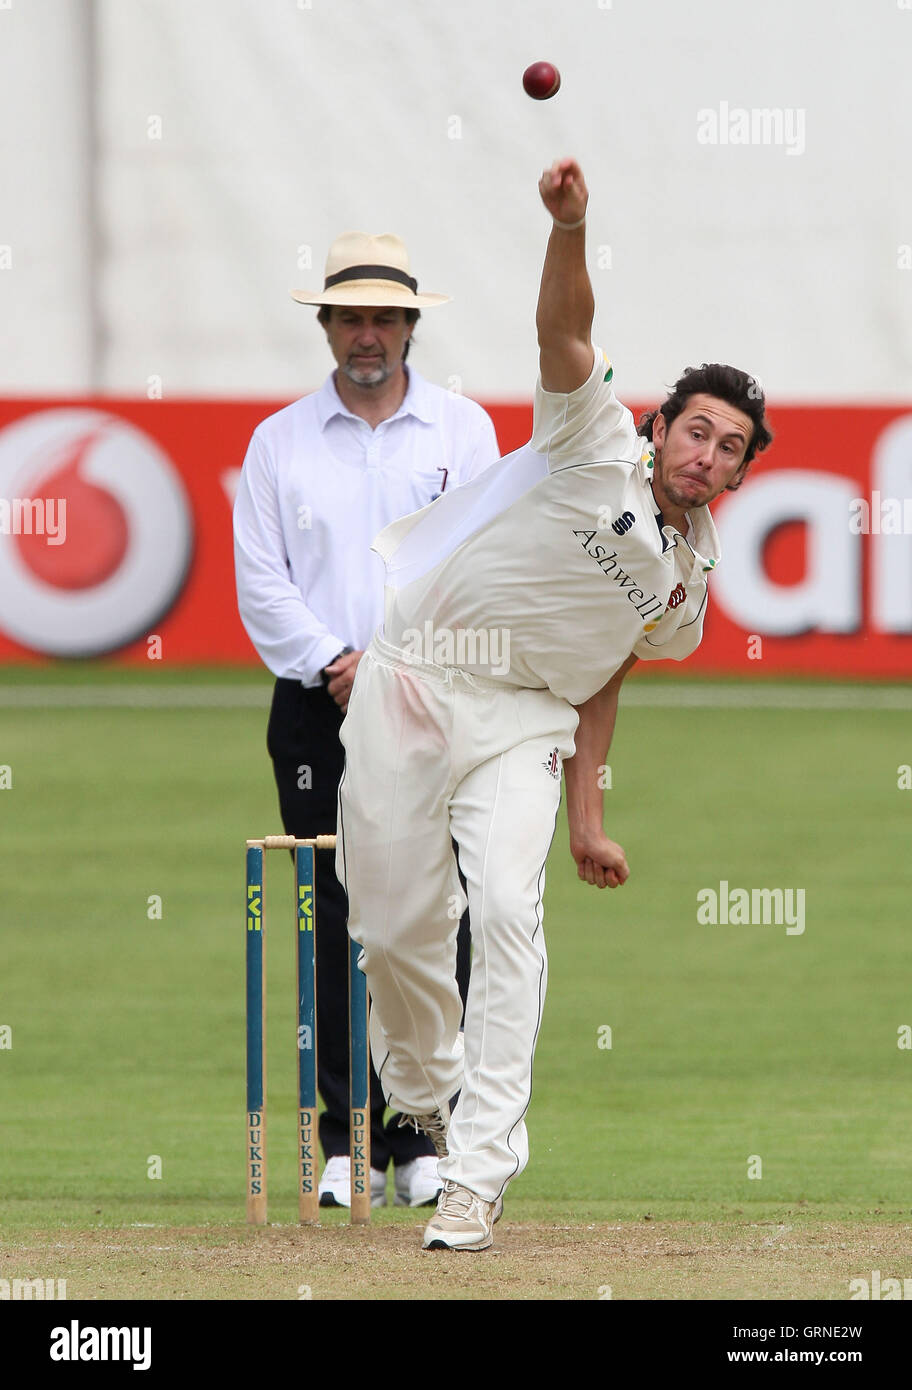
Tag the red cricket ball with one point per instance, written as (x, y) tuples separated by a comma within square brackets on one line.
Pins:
[(541, 81)]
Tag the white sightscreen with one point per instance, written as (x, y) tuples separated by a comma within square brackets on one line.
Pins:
[(233, 138)]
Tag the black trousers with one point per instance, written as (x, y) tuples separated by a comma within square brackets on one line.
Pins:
[(308, 760)]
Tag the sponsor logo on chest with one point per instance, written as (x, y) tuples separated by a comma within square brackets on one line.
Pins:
[(648, 606)]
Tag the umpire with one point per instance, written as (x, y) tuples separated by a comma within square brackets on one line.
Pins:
[(321, 478)]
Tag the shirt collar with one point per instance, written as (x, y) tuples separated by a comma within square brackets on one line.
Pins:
[(417, 401)]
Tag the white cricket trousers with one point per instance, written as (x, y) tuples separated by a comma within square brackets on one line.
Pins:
[(433, 753)]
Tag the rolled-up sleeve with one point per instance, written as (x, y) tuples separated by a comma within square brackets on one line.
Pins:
[(677, 635), (588, 425)]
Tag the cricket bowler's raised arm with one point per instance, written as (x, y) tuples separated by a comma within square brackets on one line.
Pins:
[(565, 302), (599, 861)]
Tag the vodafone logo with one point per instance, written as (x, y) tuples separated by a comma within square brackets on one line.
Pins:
[(95, 532)]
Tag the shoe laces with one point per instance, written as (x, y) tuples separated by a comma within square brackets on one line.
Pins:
[(433, 1125), (455, 1201)]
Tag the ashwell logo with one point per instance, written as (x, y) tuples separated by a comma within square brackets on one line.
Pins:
[(755, 907), (75, 1343), (755, 125), (464, 647), (649, 607)]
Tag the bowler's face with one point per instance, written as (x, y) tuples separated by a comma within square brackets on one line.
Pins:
[(367, 343), (700, 453)]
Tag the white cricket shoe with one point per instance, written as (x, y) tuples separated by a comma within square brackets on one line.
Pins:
[(335, 1184), (464, 1221), (417, 1183), (435, 1126)]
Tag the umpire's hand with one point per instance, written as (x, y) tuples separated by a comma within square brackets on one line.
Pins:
[(341, 678)]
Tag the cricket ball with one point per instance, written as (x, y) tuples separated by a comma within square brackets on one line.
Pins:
[(541, 81)]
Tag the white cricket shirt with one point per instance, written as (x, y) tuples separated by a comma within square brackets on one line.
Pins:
[(556, 553), (317, 485)]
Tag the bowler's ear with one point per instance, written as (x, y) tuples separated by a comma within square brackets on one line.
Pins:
[(658, 430)]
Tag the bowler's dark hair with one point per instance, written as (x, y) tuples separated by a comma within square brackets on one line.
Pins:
[(411, 316), (727, 384)]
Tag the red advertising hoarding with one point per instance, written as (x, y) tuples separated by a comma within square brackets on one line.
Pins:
[(816, 572)]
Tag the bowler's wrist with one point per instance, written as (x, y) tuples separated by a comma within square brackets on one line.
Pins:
[(586, 823)]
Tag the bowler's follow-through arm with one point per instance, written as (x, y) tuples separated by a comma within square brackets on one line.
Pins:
[(599, 860)]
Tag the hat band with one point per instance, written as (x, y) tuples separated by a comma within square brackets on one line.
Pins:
[(372, 272)]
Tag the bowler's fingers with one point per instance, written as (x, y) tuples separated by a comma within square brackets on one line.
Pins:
[(592, 873), (599, 875), (561, 175), (560, 168), (567, 173)]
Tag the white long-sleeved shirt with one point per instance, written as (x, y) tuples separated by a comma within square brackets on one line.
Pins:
[(317, 486)]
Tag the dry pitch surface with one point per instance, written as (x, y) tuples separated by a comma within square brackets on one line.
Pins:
[(645, 1260)]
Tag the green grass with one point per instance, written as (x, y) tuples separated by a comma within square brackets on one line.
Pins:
[(727, 1041)]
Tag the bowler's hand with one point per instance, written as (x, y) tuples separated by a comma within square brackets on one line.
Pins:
[(563, 190), (599, 861), (342, 676)]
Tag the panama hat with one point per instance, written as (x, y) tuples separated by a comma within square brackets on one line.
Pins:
[(370, 271)]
